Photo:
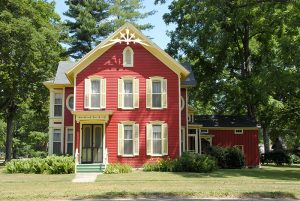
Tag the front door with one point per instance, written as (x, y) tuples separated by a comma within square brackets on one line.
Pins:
[(92, 144)]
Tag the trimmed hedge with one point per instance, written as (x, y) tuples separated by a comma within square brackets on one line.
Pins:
[(228, 158), (48, 165), (188, 162), (117, 168)]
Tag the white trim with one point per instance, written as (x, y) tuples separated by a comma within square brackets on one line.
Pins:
[(162, 80), (90, 99), (51, 131), (127, 78), (67, 102), (129, 123), (182, 103), (131, 55), (52, 99), (204, 131), (179, 114), (182, 136)]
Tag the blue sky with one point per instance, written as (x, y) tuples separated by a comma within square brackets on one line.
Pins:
[(158, 33)]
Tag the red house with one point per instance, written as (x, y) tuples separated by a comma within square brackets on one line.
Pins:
[(126, 101)]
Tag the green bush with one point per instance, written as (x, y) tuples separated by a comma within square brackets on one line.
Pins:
[(50, 165), (188, 162), (295, 159), (117, 168), (227, 158), (279, 157)]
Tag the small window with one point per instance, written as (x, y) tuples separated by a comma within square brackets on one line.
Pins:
[(238, 131), (157, 139), (70, 102), (57, 141), (191, 118), (203, 131), (128, 57), (241, 147), (128, 139), (58, 104), (156, 93), (69, 141), (128, 93), (182, 102)]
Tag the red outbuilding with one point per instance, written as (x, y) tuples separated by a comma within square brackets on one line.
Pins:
[(126, 102)]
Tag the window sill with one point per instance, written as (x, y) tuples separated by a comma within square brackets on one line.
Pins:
[(156, 108), (127, 156)]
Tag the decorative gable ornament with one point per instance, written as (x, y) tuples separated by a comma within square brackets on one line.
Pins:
[(127, 37)]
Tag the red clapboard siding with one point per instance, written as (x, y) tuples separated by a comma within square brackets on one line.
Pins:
[(227, 138), (68, 121), (109, 66)]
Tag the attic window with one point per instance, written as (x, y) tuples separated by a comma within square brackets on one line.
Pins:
[(128, 57), (238, 131)]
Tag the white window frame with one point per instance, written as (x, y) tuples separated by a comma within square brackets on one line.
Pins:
[(61, 139), (238, 131), (67, 102), (121, 92), (124, 57), (163, 92), (163, 140), (191, 118), (67, 142), (195, 135), (53, 103), (90, 99), (183, 136), (135, 139), (241, 147)]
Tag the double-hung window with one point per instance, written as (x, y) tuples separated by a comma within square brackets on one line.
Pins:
[(69, 141), (58, 104), (56, 146), (128, 139), (128, 93), (157, 139), (95, 93), (156, 96)]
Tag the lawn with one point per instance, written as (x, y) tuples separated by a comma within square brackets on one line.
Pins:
[(265, 182)]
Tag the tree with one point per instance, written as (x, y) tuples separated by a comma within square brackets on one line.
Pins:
[(91, 21), (123, 11), (88, 25), (29, 52), (237, 48)]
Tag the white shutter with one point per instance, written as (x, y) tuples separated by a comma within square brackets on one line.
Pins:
[(148, 93), (120, 139), (103, 94), (164, 94), (165, 139), (149, 139), (120, 93), (87, 89), (136, 139), (136, 89)]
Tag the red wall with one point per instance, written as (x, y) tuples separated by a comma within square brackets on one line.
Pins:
[(109, 66), (68, 121), (227, 138)]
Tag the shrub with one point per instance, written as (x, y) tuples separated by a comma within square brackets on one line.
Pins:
[(227, 158), (117, 168), (234, 158), (295, 159), (189, 162), (50, 165), (278, 157)]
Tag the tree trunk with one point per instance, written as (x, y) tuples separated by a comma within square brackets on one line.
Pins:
[(9, 131), (266, 139)]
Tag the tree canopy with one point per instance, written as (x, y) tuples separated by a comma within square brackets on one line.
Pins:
[(29, 52), (244, 55)]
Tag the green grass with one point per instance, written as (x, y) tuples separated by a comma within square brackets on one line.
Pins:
[(275, 182)]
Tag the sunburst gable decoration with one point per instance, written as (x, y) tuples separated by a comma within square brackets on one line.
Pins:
[(127, 38)]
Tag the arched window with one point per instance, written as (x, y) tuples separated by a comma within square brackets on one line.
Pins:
[(128, 57)]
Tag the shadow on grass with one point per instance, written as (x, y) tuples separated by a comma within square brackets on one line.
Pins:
[(181, 195), (277, 174), (124, 194), (275, 194)]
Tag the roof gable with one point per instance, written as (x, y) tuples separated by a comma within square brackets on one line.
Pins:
[(127, 34)]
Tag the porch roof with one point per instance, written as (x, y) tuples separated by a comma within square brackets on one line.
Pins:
[(92, 115)]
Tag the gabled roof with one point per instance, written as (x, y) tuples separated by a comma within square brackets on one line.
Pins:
[(224, 121), (63, 67), (190, 80), (133, 33)]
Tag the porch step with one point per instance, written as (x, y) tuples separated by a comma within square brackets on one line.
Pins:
[(94, 167)]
